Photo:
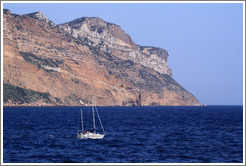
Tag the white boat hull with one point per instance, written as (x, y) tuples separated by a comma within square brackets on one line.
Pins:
[(90, 136)]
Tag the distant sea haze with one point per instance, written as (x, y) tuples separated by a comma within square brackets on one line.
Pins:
[(211, 134)]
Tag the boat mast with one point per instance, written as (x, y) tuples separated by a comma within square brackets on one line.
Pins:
[(93, 115), (100, 120), (82, 123)]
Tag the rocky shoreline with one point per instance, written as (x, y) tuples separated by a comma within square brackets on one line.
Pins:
[(47, 64)]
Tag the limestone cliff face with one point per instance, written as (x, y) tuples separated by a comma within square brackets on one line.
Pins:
[(111, 38), (48, 64)]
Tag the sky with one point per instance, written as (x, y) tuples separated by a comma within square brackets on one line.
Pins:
[(204, 40)]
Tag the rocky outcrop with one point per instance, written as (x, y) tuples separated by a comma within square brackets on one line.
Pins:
[(41, 16), (111, 38), (48, 64)]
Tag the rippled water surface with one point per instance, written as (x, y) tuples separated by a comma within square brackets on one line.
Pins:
[(212, 134)]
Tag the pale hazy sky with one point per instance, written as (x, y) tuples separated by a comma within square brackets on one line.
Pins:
[(204, 40)]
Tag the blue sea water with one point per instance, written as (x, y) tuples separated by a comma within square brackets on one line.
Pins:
[(211, 134)]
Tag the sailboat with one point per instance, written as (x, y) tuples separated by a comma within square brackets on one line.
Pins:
[(94, 134)]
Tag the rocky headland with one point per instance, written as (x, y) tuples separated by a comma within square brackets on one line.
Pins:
[(47, 65)]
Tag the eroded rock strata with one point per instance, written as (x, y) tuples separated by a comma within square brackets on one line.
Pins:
[(47, 64)]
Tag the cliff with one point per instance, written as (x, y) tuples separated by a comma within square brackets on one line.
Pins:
[(48, 64)]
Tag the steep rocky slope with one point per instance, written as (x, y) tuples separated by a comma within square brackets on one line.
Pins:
[(48, 64)]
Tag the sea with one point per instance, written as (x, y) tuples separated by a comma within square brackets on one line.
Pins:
[(164, 134)]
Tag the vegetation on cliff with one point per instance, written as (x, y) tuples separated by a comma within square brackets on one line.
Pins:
[(20, 95), (40, 62)]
